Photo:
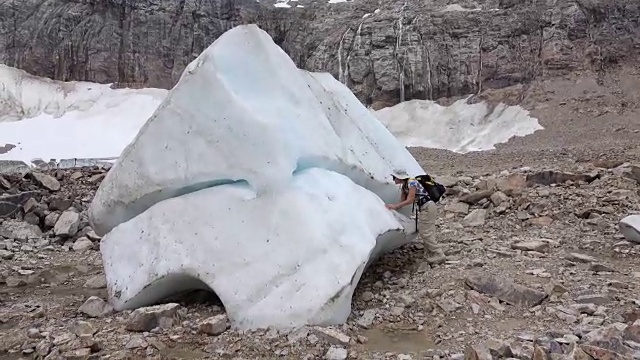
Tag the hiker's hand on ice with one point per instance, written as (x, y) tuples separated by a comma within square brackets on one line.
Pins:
[(391, 206)]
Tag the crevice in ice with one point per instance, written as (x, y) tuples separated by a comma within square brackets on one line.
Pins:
[(168, 287), (148, 200), (356, 175)]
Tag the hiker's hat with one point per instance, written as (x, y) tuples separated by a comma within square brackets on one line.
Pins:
[(400, 174)]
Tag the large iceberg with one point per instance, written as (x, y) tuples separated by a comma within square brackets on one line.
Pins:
[(258, 180)]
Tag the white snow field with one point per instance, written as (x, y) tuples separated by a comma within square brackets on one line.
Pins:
[(460, 127), (261, 181), (49, 119)]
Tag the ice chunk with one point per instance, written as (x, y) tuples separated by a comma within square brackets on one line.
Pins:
[(630, 228), (281, 259), (243, 111), (258, 180)]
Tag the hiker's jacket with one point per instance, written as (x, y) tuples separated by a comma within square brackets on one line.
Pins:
[(421, 194)]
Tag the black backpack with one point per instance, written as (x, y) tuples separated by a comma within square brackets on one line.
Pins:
[(433, 188)]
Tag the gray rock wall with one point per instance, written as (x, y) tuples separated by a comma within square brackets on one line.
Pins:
[(400, 52)]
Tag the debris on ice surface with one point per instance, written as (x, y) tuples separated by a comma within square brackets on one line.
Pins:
[(258, 180), (460, 127)]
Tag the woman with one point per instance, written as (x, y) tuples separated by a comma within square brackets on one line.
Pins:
[(412, 190)]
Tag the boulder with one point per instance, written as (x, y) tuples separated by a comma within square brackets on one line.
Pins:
[(286, 212), (95, 307), (67, 224), (630, 228), (550, 177), (148, 318), (474, 197), (214, 325), (505, 290), (18, 230), (46, 181), (475, 218)]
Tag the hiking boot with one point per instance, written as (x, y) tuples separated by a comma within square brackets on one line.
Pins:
[(437, 259)]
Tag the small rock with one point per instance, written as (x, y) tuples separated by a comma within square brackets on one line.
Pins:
[(476, 196), (507, 291), (336, 353), (499, 349), (448, 305), (593, 299), (581, 258), (331, 336), (147, 318), (82, 244), (95, 307), (51, 219), (32, 219), (498, 198), (59, 204), (618, 284), (67, 224), (30, 205), (136, 342), (93, 236), (366, 320), (19, 231), (531, 245), (632, 332), (13, 281), (457, 207), (97, 178), (367, 296), (46, 181), (33, 333), (601, 268), (555, 288), (81, 328), (475, 218), (549, 177), (96, 282), (43, 348), (6, 255), (215, 325), (512, 182), (474, 352)]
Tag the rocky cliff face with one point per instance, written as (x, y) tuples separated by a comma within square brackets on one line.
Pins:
[(386, 51)]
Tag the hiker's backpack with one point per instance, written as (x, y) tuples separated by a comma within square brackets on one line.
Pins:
[(433, 188)]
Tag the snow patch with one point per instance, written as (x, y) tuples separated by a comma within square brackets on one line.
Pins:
[(47, 119), (265, 182), (460, 127)]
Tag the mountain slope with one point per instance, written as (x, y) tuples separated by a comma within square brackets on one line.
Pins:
[(384, 50)]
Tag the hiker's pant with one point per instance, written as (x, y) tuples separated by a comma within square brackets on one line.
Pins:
[(429, 214)]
